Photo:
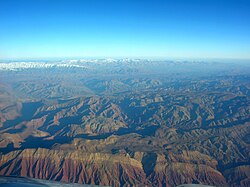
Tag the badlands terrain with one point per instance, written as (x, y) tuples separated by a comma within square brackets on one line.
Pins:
[(126, 122)]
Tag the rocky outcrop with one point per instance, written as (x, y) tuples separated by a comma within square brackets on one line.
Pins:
[(78, 167), (112, 169)]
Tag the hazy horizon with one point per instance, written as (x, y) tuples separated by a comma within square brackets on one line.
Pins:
[(30, 59)]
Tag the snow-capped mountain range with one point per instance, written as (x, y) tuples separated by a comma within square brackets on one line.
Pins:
[(121, 66), (79, 63)]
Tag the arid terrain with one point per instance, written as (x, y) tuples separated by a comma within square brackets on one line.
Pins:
[(126, 122)]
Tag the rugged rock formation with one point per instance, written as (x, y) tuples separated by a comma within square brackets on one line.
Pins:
[(109, 169), (79, 167)]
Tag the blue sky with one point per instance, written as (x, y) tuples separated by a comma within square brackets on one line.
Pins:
[(125, 28)]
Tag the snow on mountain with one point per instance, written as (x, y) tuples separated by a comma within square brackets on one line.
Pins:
[(93, 64), (15, 66), (72, 63)]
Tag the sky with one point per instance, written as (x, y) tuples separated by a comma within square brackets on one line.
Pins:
[(125, 28)]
